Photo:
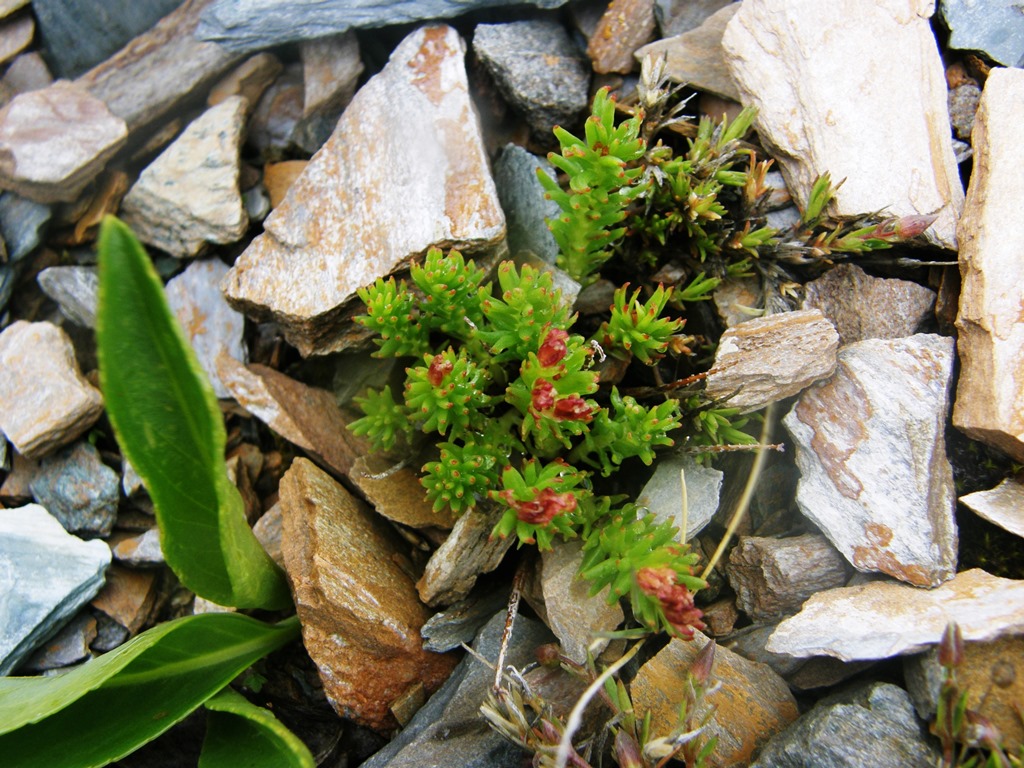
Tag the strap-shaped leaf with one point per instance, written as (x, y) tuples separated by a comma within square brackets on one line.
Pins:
[(110, 706), (167, 422), (240, 733)]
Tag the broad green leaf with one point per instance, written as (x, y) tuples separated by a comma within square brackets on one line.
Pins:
[(167, 422), (241, 735), (112, 705)]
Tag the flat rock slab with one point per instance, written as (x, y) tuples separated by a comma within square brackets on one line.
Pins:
[(189, 197), (54, 141), (886, 618), (77, 488), (522, 199), (45, 402), (865, 307), (624, 27), (76, 291), (210, 324), (838, 82), (990, 394), (46, 575), (752, 705), (1003, 505), (695, 57), (359, 610), (870, 447), (663, 493), (387, 185), (771, 358), (250, 24), (396, 493), (995, 27)]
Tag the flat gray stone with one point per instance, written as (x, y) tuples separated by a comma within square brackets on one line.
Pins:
[(538, 69), (870, 446), (663, 493), (522, 199), (69, 646), (78, 489), (835, 84), (245, 25), (78, 34), (140, 551), (1002, 506), (46, 575), (677, 16), (459, 623), (22, 223), (385, 187), (210, 324), (995, 27), (189, 197), (76, 291), (331, 67), (45, 402), (54, 141)]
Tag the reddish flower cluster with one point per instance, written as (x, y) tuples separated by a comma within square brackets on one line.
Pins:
[(542, 509), (439, 368), (676, 600), (553, 349), (570, 407)]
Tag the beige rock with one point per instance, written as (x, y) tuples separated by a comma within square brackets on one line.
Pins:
[(624, 27), (127, 597), (16, 489), (331, 67), (45, 402), (990, 395), (396, 493), (151, 76), (269, 530), (468, 552), (739, 300), (887, 618), (388, 184), (696, 57), (26, 73), (189, 195), (304, 415), (279, 177), (249, 79), (1003, 505), (752, 705), (55, 141), (7, 7), (359, 611), (770, 358), (15, 36), (835, 83)]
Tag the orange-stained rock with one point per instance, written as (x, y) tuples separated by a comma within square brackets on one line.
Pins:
[(624, 27), (753, 704), (359, 610), (404, 170), (279, 177), (128, 596)]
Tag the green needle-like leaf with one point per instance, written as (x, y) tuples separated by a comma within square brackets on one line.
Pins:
[(168, 425), (241, 735), (110, 706)]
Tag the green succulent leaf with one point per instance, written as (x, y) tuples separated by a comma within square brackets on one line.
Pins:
[(168, 425)]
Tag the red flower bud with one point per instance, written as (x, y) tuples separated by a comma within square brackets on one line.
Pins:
[(439, 368), (542, 509), (676, 600), (553, 349), (573, 408), (542, 398)]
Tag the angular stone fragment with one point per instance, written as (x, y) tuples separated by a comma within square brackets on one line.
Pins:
[(995, 27), (963, 106), (538, 69), (773, 577), (211, 326), (69, 646), (865, 307), (140, 551), (887, 618), (77, 488), (836, 84), (677, 16), (151, 76), (7, 7), (359, 611), (771, 358), (331, 67), (752, 705), (26, 73), (990, 394), (870, 446), (991, 673), (388, 184), (1003, 505), (624, 27), (55, 141), (396, 493), (45, 402), (46, 575), (15, 35), (245, 25), (127, 597), (457, 624), (695, 57), (76, 291), (22, 222), (249, 79), (189, 195), (872, 726), (468, 552), (522, 199), (663, 493), (304, 415)]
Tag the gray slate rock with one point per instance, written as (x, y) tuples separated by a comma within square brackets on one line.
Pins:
[(46, 575), (449, 629), (538, 70), (869, 727), (22, 223), (78, 34), (994, 26), (75, 289), (449, 732), (522, 200), (677, 16), (141, 551), (663, 494), (963, 105), (78, 489), (246, 25), (69, 646)]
